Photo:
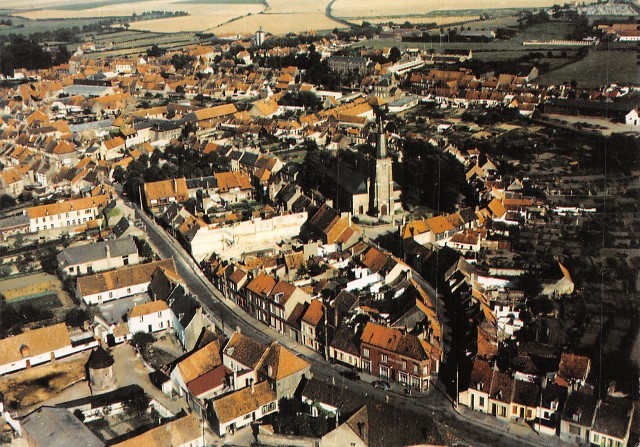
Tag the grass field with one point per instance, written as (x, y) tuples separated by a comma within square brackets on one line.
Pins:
[(375, 8), (439, 20), (596, 69), (25, 27)]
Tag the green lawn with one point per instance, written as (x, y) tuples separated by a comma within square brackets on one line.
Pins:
[(597, 68), (25, 27)]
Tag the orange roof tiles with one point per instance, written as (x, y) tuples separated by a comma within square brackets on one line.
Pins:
[(67, 206), (228, 181), (148, 308)]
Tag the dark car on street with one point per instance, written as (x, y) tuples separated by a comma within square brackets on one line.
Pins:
[(351, 375), (382, 385)]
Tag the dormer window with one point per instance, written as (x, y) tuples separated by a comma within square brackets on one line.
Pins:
[(554, 405), (479, 386), (576, 416)]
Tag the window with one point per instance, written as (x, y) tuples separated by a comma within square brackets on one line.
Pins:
[(596, 438), (365, 352), (503, 411), (160, 314), (481, 401), (129, 291), (574, 429), (384, 358), (404, 365), (415, 368), (141, 318), (528, 414)]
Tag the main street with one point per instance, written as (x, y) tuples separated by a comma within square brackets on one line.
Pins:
[(226, 315)]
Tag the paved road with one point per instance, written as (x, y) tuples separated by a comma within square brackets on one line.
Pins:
[(220, 309)]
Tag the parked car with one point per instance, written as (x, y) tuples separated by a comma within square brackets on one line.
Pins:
[(351, 375), (382, 385)]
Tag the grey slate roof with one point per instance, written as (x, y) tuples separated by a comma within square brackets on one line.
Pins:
[(79, 254), (14, 221), (121, 227), (57, 427)]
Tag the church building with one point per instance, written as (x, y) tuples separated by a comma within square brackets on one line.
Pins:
[(368, 189)]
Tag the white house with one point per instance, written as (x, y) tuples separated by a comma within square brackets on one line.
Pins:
[(150, 317), (632, 119), (97, 257), (65, 214), (40, 346), (120, 283), (240, 408)]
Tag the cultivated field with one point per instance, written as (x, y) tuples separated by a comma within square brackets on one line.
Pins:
[(197, 9), (197, 22), (352, 9), (281, 17), (277, 24)]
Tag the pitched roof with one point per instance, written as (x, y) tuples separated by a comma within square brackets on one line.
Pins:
[(209, 380), (381, 336), (244, 349), (481, 375), (123, 277), (278, 362), (200, 362), (613, 417), (314, 313), (243, 402), (261, 284), (58, 427), (80, 254), (166, 188), (38, 341), (215, 112), (572, 367), (176, 433), (66, 206), (228, 181), (148, 308)]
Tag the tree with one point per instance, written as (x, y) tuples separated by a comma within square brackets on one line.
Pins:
[(181, 60), (142, 340), (62, 55), (9, 319), (6, 201), (394, 54), (76, 317), (136, 405), (49, 261), (119, 174), (144, 249)]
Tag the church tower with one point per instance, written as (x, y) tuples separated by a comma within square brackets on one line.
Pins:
[(381, 201)]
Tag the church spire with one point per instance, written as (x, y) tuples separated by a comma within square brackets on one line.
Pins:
[(381, 146)]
